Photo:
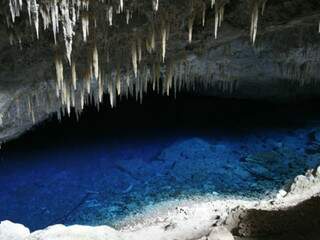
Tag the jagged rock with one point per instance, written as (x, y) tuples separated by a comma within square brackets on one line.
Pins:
[(220, 233), (13, 231)]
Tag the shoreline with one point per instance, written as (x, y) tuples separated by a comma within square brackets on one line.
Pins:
[(188, 220)]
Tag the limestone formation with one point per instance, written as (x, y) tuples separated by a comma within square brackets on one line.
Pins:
[(96, 48)]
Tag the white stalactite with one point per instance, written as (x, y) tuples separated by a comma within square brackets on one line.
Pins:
[(216, 21), (85, 27), (203, 15), (128, 16), (74, 76), (110, 15), (34, 8), (190, 27), (155, 5), (95, 62), (164, 42), (254, 21), (139, 51), (134, 58), (67, 26), (212, 3), (121, 5), (54, 19), (263, 6), (100, 86), (59, 72), (29, 10)]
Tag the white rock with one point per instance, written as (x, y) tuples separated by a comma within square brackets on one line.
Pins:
[(282, 193), (13, 231), (220, 233), (75, 232), (318, 172)]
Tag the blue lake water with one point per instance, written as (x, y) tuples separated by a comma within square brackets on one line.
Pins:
[(102, 181)]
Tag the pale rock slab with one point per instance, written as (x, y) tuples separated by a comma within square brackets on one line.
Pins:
[(220, 233), (75, 232), (13, 231)]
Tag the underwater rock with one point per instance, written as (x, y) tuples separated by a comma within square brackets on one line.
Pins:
[(196, 159), (274, 164), (13, 231)]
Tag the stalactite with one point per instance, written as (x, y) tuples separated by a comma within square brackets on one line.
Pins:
[(95, 62), (121, 5), (203, 14), (219, 15), (169, 76), (255, 16), (153, 40), (34, 6), (134, 58), (190, 27), (110, 15), (54, 19), (212, 3), (100, 87), (155, 5), (29, 10), (85, 27), (127, 16), (118, 80), (59, 71), (216, 21), (164, 42), (74, 76), (15, 8), (82, 99), (139, 50), (264, 2), (254, 21), (67, 25)]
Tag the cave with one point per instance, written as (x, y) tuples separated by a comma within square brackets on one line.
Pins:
[(159, 119)]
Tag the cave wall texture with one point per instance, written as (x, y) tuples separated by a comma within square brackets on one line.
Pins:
[(56, 53)]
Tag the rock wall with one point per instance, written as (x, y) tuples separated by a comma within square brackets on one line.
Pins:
[(283, 64)]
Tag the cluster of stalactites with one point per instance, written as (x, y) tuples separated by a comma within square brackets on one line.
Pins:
[(76, 91), (66, 13), (66, 88), (60, 14)]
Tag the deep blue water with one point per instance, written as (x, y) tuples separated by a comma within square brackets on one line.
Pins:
[(117, 162)]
